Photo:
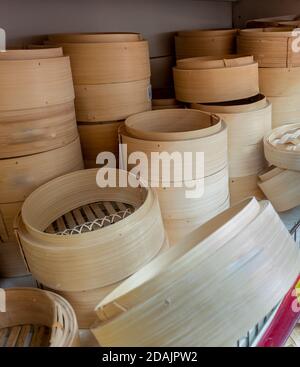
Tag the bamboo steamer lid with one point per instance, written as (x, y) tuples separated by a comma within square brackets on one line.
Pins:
[(31, 131), (271, 47), (112, 102), (31, 306), (32, 54), (207, 79), (279, 82), (281, 187), (108, 62), (20, 176), (94, 37), (224, 252), (99, 258), (12, 263), (51, 79), (242, 188), (285, 110), (282, 147), (195, 43)]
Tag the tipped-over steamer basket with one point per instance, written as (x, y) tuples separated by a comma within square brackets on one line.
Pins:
[(271, 47), (282, 147), (207, 283), (36, 318), (101, 257), (204, 42), (215, 79)]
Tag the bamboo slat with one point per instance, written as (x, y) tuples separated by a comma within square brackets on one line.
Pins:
[(31, 131), (172, 300), (282, 147), (281, 187), (112, 102), (271, 47), (205, 42), (271, 21), (101, 257), (32, 54), (51, 81), (30, 306), (94, 37), (212, 79), (242, 188), (96, 138), (20, 176)]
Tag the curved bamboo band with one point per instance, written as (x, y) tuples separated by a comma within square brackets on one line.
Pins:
[(112, 102), (20, 176), (282, 147), (31, 131), (204, 80), (271, 21), (224, 252), (281, 187), (52, 80), (279, 82), (94, 37), (271, 47), (285, 110), (30, 306), (43, 53), (99, 258), (104, 63), (242, 188), (204, 42)]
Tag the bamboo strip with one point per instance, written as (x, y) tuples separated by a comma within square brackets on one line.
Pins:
[(271, 21), (172, 301), (101, 257), (42, 53), (94, 37), (30, 131), (207, 79), (112, 102), (242, 188), (25, 306), (214, 42)]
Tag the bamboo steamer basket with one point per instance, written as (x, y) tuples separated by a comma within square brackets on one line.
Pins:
[(84, 302), (20, 176), (94, 37), (282, 147), (213, 42), (42, 53), (31, 131), (108, 62), (243, 187), (279, 82), (112, 102), (12, 263), (167, 303), (48, 317), (96, 138), (271, 47), (281, 187), (247, 122), (99, 258), (51, 78), (213, 79), (285, 110)]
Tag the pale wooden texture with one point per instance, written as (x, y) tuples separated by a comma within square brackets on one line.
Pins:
[(20, 176), (172, 301), (43, 53), (94, 37), (30, 131), (244, 187), (30, 306), (208, 79), (101, 257), (111, 102), (205, 42), (285, 110)]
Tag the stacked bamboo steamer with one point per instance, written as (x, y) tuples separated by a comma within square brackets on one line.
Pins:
[(204, 42), (85, 265), (279, 69), (38, 135), (177, 132), (111, 73), (281, 181), (229, 87), (248, 121), (205, 284)]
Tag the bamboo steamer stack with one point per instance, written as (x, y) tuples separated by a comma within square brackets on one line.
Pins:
[(38, 136), (205, 284), (111, 73), (160, 137), (204, 42), (281, 181), (229, 87), (82, 250), (279, 69), (248, 121)]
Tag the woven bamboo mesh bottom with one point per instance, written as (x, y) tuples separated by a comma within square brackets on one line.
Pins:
[(25, 336)]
